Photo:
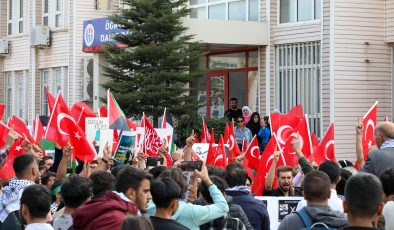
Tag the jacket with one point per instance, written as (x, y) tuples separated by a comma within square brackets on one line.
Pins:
[(235, 211), (318, 213), (255, 210), (378, 161), (105, 212), (192, 216)]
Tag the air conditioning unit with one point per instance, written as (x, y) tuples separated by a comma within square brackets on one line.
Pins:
[(41, 36), (87, 79), (3, 46)]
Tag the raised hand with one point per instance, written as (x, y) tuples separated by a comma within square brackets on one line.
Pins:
[(359, 126), (12, 136), (190, 140)]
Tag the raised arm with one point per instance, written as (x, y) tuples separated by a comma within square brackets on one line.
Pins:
[(271, 172), (359, 144)]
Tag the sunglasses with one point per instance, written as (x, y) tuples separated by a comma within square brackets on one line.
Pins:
[(240, 121)]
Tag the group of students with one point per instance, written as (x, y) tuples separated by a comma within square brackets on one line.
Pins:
[(46, 194)]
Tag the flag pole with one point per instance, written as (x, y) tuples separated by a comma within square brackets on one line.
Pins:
[(370, 109)]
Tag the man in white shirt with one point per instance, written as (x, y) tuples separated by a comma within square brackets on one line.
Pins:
[(35, 206), (332, 170)]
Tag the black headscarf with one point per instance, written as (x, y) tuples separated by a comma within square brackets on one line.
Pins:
[(253, 126)]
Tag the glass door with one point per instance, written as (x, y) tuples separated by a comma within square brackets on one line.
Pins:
[(217, 95)]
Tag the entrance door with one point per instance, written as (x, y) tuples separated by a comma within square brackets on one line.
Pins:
[(221, 87)]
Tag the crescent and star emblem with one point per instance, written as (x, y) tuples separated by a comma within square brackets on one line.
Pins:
[(60, 117)]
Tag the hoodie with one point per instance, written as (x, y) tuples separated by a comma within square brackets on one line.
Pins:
[(105, 212), (318, 213)]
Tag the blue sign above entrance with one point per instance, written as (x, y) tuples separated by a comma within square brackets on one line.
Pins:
[(97, 32)]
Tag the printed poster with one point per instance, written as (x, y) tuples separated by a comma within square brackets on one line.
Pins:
[(98, 133), (125, 148)]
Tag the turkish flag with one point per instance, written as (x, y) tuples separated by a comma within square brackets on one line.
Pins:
[(244, 145), (211, 151), (220, 156), (2, 107), (296, 111), (131, 125), (38, 130), (315, 144), (58, 128), (289, 155), (283, 125), (369, 122), (3, 134), (20, 127), (50, 98), (234, 150), (103, 111), (152, 140), (205, 137), (7, 171), (62, 128), (115, 141), (264, 165), (325, 149), (252, 153), (80, 111)]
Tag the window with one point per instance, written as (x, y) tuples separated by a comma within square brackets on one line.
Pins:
[(298, 80), (299, 10), (55, 79), (16, 16), (8, 95), (54, 13), (105, 5), (243, 10), (45, 13), (20, 105)]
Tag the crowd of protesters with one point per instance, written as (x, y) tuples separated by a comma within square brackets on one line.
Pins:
[(47, 194)]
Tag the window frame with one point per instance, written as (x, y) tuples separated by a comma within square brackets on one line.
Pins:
[(295, 12), (8, 95), (57, 79), (16, 17), (57, 14)]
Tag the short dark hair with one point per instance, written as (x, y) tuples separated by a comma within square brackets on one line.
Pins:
[(75, 190), (364, 194), (46, 176), (102, 181), (316, 186), (216, 171), (156, 171), (115, 170), (47, 158), (284, 168), (137, 223), (130, 177), (345, 175), (220, 184), (236, 174), (240, 117), (331, 169), (177, 175), (234, 99), (387, 179), (37, 199), (22, 163), (164, 191)]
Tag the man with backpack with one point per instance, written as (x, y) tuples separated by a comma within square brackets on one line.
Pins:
[(317, 213)]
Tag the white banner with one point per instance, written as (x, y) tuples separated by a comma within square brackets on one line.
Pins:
[(98, 133), (279, 207)]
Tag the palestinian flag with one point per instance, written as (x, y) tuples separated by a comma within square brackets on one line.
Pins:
[(117, 119)]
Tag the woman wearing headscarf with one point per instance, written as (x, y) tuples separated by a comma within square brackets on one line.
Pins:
[(264, 133), (254, 125), (247, 114)]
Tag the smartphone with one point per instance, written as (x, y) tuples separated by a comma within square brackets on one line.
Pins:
[(152, 161), (191, 165)]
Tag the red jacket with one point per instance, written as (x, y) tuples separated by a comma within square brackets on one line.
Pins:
[(106, 212)]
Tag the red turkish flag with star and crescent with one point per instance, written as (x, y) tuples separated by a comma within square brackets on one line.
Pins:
[(205, 136), (220, 156), (325, 149), (62, 128), (7, 171), (80, 111), (369, 122), (211, 150), (302, 131), (233, 148), (20, 127), (50, 98), (264, 165), (252, 153), (152, 140)]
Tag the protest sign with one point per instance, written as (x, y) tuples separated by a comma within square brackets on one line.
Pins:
[(125, 148), (98, 133), (202, 149), (166, 134), (279, 207)]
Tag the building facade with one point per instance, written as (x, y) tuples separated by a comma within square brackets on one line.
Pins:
[(333, 57)]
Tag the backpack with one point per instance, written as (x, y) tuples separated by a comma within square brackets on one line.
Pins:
[(309, 225), (232, 223)]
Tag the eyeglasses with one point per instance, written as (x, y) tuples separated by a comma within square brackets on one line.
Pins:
[(240, 121)]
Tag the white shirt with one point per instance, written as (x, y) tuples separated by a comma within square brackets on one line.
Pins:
[(388, 213), (334, 202), (39, 226)]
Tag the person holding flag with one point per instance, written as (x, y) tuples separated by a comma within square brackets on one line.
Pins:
[(11, 137)]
